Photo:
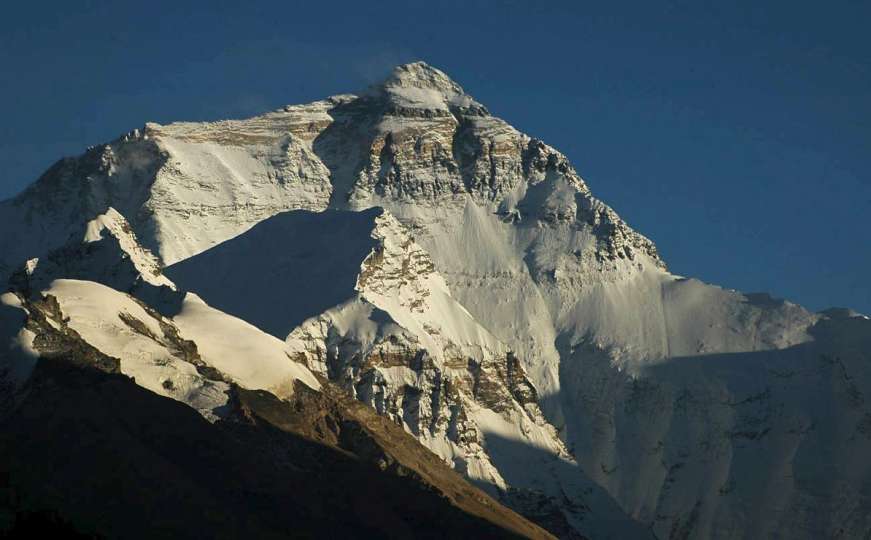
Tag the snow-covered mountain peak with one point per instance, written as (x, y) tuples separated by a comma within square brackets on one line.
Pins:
[(460, 277), (415, 139), (422, 75), (417, 89)]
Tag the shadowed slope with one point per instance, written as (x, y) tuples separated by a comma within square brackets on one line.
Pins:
[(758, 444), (287, 268)]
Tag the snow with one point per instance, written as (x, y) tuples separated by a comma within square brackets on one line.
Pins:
[(95, 311), (419, 86), (249, 356), (113, 223), (419, 98), (119, 326), (419, 301), (226, 177)]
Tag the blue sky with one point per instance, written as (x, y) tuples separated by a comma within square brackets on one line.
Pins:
[(736, 135)]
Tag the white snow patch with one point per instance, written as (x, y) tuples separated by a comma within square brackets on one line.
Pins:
[(253, 358), (95, 311)]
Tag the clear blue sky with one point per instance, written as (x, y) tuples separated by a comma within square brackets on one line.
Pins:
[(737, 136)]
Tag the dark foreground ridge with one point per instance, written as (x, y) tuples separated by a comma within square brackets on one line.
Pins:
[(93, 453)]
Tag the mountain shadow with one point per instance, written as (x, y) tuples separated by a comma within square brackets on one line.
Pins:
[(344, 145), (686, 443), (594, 511), (285, 269)]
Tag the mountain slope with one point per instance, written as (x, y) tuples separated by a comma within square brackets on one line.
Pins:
[(397, 340), (95, 346), (182, 476), (649, 401), (162, 434)]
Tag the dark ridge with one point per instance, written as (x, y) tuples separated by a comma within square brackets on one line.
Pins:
[(113, 459)]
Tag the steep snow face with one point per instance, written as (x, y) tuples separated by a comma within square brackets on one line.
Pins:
[(222, 178), (642, 372), (184, 187)]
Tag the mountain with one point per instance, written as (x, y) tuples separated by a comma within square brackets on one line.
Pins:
[(123, 461), (406, 250), (121, 425)]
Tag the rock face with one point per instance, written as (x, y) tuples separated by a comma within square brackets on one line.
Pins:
[(459, 278)]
